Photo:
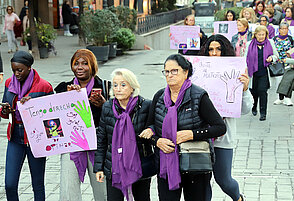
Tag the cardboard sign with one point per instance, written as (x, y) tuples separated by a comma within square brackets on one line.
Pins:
[(219, 77), (185, 37), (226, 28), (59, 123)]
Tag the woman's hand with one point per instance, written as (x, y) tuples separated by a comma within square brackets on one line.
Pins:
[(73, 87), (166, 145), (97, 99), (147, 133), (6, 109), (1, 78), (25, 99), (184, 135), (244, 78), (100, 176), (269, 59), (200, 35)]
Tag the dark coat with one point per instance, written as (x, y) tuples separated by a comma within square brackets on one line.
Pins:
[(105, 131), (66, 14)]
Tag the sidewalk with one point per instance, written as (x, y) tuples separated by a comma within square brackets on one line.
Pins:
[(263, 162)]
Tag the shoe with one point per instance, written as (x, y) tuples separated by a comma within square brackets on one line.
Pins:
[(68, 34), (243, 197), (288, 102), (254, 111), (262, 117), (278, 102), (30, 51), (16, 49)]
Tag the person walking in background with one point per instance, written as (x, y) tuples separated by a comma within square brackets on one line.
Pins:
[(1, 69), (230, 15), (123, 118), (260, 6), (26, 27), (23, 10), (10, 19), (264, 20), (269, 12), (260, 52), (74, 165), (67, 17), (218, 45), (289, 16), (22, 86), (248, 14)]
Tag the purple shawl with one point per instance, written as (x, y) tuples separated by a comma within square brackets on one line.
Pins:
[(80, 158), (271, 31), (252, 56), (126, 163), (283, 37), (21, 90), (169, 163), (271, 20), (243, 33), (289, 18)]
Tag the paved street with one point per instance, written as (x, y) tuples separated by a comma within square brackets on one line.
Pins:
[(263, 160)]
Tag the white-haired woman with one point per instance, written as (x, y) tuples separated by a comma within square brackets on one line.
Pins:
[(120, 149)]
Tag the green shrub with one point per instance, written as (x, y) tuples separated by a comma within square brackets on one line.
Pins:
[(220, 15), (125, 38), (126, 16)]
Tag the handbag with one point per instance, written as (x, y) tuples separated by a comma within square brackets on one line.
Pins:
[(195, 157), (148, 166), (277, 69)]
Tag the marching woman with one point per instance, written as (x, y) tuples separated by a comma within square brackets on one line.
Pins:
[(22, 86)]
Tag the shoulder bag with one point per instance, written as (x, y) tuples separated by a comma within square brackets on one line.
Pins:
[(277, 69)]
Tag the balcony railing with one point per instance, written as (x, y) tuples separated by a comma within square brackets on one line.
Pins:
[(153, 22)]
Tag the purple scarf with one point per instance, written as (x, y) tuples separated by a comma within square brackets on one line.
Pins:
[(21, 90), (260, 13), (243, 33), (252, 56), (126, 163), (271, 20), (271, 31), (169, 163), (289, 18), (80, 158), (283, 37)]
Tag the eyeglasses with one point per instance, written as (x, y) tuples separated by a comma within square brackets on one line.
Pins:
[(172, 71), (263, 20)]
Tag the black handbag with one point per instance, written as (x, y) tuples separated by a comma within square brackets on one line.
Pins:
[(277, 69), (195, 157), (148, 166)]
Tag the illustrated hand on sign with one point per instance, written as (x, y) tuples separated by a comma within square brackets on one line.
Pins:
[(79, 141), (84, 113)]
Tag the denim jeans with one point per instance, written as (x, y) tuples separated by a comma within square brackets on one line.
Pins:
[(15, 156)]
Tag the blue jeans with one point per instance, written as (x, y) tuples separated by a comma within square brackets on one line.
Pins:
[(222, 173), (15, 157)]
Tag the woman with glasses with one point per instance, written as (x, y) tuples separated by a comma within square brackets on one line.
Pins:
[(181, 112), (264, 20), (10, 19), (242, 37)]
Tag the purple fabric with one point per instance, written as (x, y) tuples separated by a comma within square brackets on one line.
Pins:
[(80, 158), (271, 20), (169, 163), (271, 31), (289, 18), (243, 33), (21, 90), (252, 56), (260, 13), (126, 163), (283, 37)]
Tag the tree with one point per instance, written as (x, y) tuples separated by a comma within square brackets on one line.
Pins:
[(33, 34), (82, 41)]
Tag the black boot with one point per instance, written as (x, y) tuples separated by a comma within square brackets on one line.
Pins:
[(254, 111), (262, 117)]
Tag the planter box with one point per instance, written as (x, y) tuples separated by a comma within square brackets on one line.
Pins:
[(101, 52)]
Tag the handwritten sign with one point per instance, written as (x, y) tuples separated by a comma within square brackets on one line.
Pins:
[(185, 37), (226, 28), (219, 77), (59, 123)]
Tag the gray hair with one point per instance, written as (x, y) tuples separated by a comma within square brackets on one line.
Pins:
[(129, 76), (278, 8), (283, 24)]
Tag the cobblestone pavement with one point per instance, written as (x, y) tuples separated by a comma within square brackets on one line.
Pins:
[(263, 160)]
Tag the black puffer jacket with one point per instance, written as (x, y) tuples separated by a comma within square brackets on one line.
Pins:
[(105, 131)]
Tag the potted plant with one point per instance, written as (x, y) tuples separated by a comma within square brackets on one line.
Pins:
[(99, 27), (125, 39)]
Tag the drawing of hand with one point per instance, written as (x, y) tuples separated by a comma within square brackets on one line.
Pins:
[(84, 113), (79, 141), (232, 83)]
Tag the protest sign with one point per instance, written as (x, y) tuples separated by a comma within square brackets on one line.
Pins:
[(59, 123), (185, 37), (226, 28), (219, 77)]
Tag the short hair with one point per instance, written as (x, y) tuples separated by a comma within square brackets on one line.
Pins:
[(182, 62), (226, 46), (11, 7), (129, 76), (244, 22), (270, 11), (259, 29), (88, 56), (283, 24), (266, 17), (233, 13), (186, 19)]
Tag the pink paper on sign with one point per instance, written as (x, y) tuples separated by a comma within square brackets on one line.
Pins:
[(219, 77), (226, 28), (59, 123), (185, 37)]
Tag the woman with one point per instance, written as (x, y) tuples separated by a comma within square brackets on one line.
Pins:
[(26, 27), (1, 69), (67, 17), (218, 45), (264, 20), (22, 86), (190, 21), (240, 40), (249, 15), (230, 15), (74, 165), (10, 19), (23, 10), (171, 115), (122, 120), (269, 12), (283, 42), (289, 16), (260, 6), (260, 52)]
